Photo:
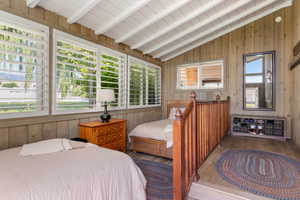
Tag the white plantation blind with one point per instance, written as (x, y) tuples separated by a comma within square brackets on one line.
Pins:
[(23, 67), (112, 73), (76, 75), (82, 69), (205, 75), (144, 84)]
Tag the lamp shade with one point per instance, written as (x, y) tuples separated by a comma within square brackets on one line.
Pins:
[(107, 95)]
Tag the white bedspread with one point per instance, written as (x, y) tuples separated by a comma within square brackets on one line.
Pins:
[(91, 173), (159, 130)]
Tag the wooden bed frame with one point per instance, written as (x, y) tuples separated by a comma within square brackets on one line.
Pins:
[(153, 146)]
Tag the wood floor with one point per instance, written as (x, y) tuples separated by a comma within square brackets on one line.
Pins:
[(209, 177)]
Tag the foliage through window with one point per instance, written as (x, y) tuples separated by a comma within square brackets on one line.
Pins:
[(144, 84), (23, 67), (82, 69), (206, 75), (112, 75), (76, 83)]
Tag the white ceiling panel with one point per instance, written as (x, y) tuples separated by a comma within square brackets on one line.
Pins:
[(162, 28)]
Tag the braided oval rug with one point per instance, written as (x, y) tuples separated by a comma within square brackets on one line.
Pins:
[(263, 173)]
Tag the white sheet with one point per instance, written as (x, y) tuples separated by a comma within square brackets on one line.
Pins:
[(159, 130), (91, 173)]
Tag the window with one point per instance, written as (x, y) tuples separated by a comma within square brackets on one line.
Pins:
[(112, 74), (23, 67), (82, 69), (206, 75), (144, 84)]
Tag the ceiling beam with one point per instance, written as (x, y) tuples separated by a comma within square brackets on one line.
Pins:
[(216, 28), (202, 23), (152, 20), (230, 29), (32, 3), (124, 15), (83, 11), (185, 19)]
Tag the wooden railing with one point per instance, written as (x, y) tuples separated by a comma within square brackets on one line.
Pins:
[(196, 132)]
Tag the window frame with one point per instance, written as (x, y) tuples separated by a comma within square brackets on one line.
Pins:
[(199, 65), (31, 26), (130, 58)]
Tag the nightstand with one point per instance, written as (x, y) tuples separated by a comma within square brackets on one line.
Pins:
[(110, 135)]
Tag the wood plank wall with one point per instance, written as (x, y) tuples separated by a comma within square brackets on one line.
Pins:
[(15, 132), (296, 75), (261, 35)]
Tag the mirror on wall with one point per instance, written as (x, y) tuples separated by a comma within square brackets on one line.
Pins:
[(259, 81)]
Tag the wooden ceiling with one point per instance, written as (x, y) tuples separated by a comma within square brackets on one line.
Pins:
[(162, 28)]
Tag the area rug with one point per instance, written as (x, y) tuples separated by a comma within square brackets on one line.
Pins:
[(262, 173), (159, 179)]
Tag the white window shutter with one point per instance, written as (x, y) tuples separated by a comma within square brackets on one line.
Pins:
[(112, 72), (144, 84), (75, 75), (23, 67)]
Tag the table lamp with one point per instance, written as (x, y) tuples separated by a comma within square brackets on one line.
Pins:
[(106, 96)]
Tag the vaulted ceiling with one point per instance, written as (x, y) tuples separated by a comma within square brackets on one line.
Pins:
[(162, 28)]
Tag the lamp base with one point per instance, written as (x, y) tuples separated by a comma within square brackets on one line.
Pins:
[(105, 117)]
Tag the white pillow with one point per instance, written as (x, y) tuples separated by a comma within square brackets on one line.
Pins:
[(173, 112), (45, 147)]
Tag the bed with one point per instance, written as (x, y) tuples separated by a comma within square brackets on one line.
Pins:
[(155, 137), (91, 173)]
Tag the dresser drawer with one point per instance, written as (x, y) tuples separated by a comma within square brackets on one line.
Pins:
[(109, 130), (109, 138)]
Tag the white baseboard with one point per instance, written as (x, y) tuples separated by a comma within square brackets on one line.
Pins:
[(202, 191)]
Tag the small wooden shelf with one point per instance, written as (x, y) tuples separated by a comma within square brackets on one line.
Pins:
[(259, 126)]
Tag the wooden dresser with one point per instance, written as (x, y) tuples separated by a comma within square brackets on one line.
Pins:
[(111, 135)]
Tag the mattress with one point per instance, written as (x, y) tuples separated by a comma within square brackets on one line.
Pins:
[(91, 173), (158, 130)]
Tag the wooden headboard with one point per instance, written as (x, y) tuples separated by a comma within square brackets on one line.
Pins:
[(175, 104)]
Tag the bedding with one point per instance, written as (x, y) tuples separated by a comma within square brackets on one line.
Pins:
[(51, 146), (159, 130), (45, 146), (91, 173)]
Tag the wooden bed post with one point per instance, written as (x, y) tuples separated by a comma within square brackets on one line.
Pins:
[(195, 153), (178, 157), (219, 122)]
